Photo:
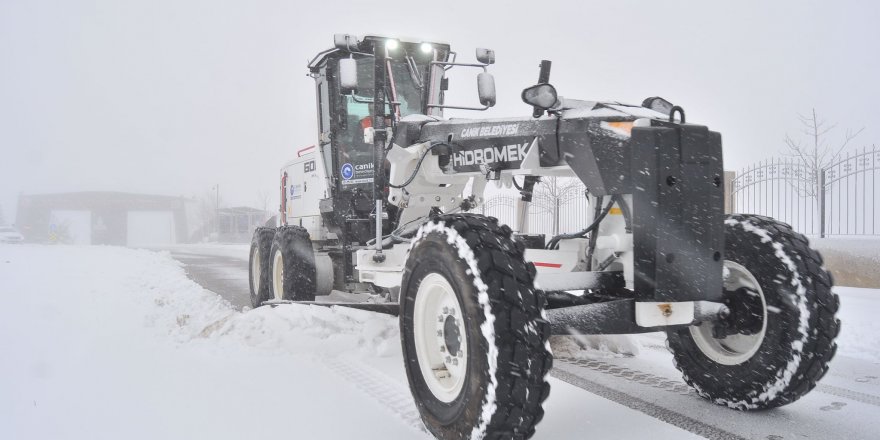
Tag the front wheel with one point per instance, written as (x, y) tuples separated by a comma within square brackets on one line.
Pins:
[(779, 336), (474, 342)]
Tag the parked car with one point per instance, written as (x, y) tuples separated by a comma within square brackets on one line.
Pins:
[(8, 234)]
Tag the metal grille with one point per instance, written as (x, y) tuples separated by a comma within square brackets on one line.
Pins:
[(838, 199), (550, 213)]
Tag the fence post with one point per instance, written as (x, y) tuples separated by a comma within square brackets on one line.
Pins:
[(556, 216), (821, 195)]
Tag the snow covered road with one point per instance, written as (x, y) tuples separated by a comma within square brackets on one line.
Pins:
[(104, 342)]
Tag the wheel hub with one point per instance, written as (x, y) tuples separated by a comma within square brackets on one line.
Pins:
[(451, 335), (256, 269), (738, 336), (746, 313), (278, 275), (439, 336)]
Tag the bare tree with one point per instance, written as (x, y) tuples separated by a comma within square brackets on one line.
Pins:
[(263, 199), (208, 204), (554, 192), (817, 151)]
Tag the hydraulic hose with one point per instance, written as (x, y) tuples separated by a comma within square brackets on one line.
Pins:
[(415, 171), (554, 242)]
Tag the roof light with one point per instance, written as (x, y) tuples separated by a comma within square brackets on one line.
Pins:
[(391, 44), (426, 48)]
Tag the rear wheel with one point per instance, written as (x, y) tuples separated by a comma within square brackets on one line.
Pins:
[(779, 336), (292, 265), (259, 265), (474, 341)]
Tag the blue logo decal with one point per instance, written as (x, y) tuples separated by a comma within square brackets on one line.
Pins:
[(347, 171)]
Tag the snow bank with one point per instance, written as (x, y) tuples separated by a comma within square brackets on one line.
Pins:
[(103, 342)]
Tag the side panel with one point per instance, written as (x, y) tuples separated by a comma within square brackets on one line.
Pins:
[(599, 157), (306, 186), (499, 144), (678, 212)]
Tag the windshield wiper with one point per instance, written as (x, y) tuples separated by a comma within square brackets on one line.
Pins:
[(414, 72)]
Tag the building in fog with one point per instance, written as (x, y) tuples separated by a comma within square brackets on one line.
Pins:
[(108, 218), (237, 224)]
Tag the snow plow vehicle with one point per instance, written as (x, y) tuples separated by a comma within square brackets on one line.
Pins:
[(380, 215)]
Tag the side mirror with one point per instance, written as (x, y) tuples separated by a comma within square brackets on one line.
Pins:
[(486, 56), (541, 96), (348, 75), (486, 88)]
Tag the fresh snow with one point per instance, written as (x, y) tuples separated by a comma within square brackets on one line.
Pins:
[(113, 343), (104, 342), (860, 329)]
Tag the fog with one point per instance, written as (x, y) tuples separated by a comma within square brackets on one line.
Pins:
[(174, 97)]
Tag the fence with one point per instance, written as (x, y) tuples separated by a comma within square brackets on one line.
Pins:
[(558, 206), (838, 199), (841, 198)]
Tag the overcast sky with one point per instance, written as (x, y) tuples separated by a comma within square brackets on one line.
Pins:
[(173, 97)]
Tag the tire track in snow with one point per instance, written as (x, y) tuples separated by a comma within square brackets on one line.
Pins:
[(658, 412), (869, 399), (378, 387), (652, 380)]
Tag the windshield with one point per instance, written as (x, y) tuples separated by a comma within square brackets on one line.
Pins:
[(409, 78), (406, 87), (406, 83)]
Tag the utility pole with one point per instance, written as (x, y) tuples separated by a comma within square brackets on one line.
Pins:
[(820, 192), (217, 213)]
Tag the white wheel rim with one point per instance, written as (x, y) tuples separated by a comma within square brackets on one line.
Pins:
[(278, 276), (256, 269), (437, 315), (734, 349)]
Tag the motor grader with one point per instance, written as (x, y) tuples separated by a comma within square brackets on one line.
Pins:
[(380, 214)]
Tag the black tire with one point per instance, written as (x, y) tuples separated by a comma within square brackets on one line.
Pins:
[(261, 246), (508, 305), (298, 264), (800, 320)]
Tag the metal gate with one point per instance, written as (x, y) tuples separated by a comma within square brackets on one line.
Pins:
[(841, 198), (550, 213)]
